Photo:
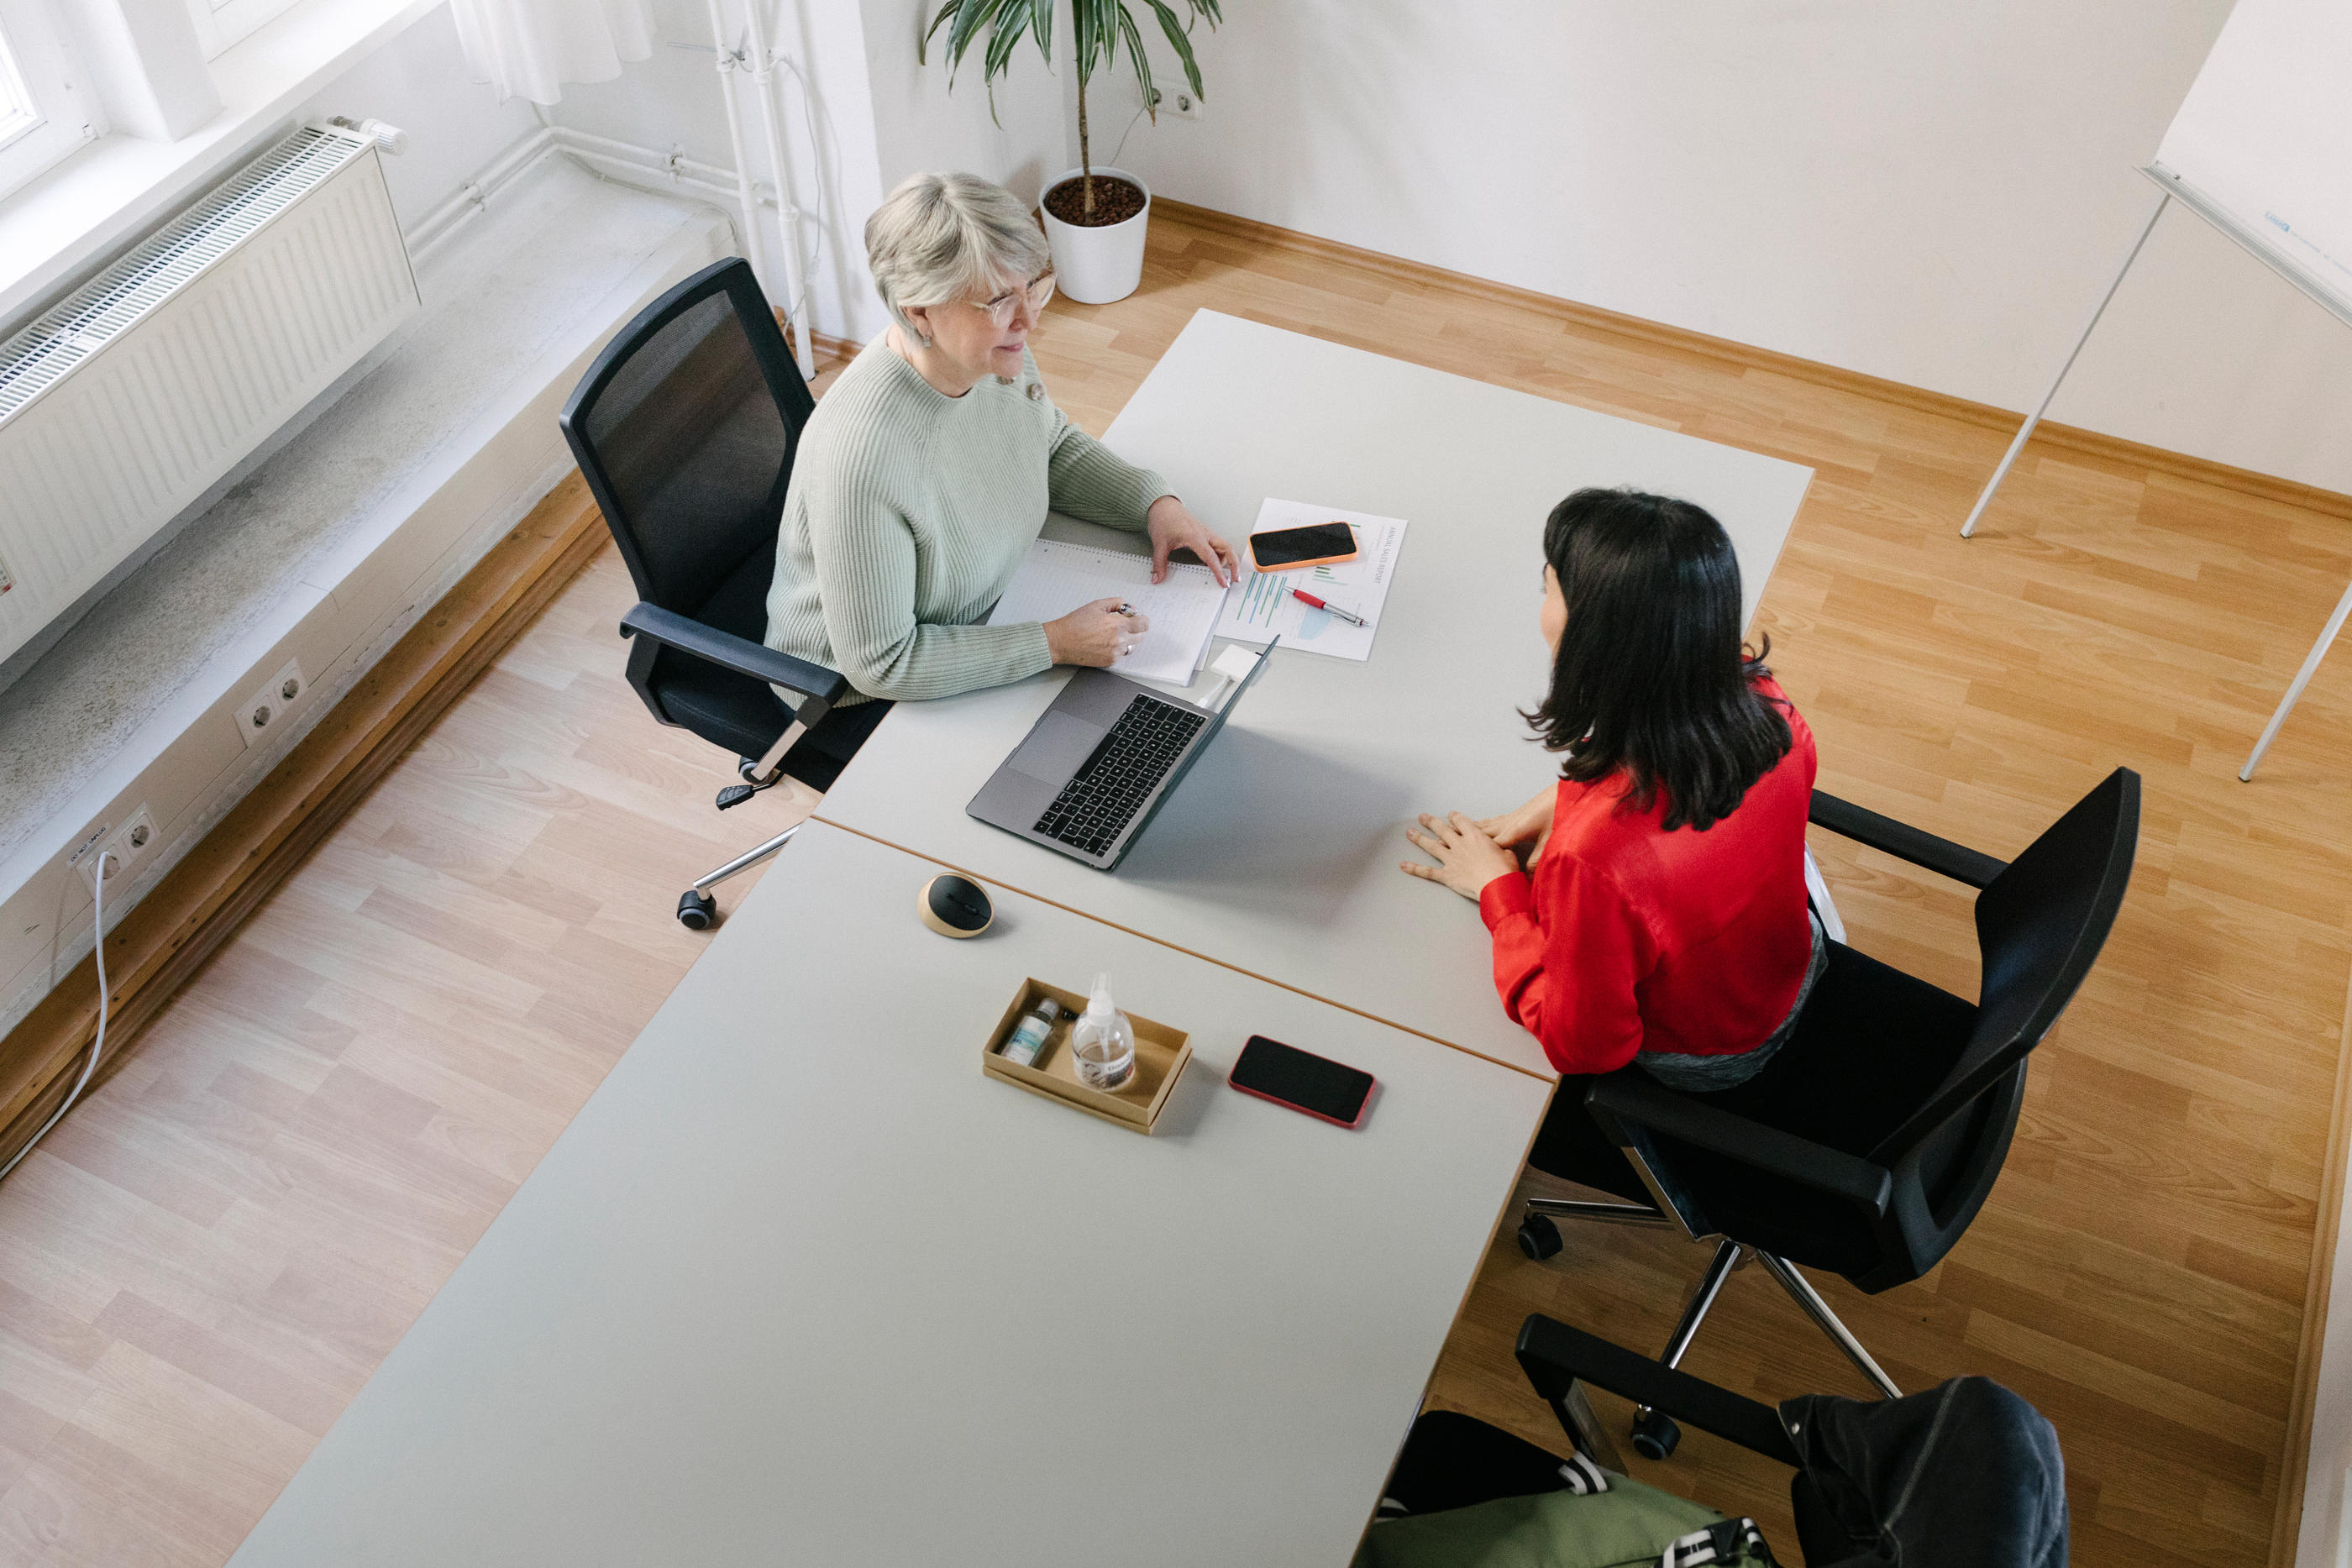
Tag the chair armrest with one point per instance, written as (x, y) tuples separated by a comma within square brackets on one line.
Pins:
[(739, 654), (1554, 1355), (1904, 842), (1630, 1096)]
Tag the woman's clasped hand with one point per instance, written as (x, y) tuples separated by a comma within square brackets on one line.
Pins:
[(1467, 853)]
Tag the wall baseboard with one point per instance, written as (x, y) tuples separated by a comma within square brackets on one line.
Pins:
[(203, 901), (2049, 435), (2318, 1297)]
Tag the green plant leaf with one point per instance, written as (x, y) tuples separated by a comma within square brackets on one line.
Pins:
[(1042, 24), (1141, 61), (1010, 20), (1010, 23), (923, 43), (1181, 41), (971, 17), (1092, 33)]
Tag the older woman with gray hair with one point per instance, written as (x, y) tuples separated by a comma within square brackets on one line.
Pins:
[(927, 468)]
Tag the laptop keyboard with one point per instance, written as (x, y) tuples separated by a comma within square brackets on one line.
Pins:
[(1111, 786)]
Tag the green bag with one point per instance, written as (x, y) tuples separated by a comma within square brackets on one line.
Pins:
[(1628, 1526)]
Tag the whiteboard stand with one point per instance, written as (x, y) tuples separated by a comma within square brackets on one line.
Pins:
[(2189, 196), (2302, 679), (2025, 430)]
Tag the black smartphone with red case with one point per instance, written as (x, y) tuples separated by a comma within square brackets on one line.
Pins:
[(1320, 1087)]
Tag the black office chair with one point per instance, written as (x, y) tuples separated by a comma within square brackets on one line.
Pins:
[(1868, 1144), (685, 429), (1966, 1473)]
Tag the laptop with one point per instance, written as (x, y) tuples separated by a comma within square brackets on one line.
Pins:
[(1095, 766)]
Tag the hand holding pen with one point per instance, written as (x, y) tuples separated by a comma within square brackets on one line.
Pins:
[(1100, 634)]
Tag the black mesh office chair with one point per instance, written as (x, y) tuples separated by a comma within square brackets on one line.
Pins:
[(1966, 1473), (685, 429), (1866, 1146)]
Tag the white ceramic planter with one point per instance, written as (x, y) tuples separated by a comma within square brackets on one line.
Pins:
[(1095, 267)]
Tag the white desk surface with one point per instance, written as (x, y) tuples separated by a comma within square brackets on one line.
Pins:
[(801, 1286), (1277, 854)]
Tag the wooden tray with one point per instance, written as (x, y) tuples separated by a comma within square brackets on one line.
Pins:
[(1160, 1053)]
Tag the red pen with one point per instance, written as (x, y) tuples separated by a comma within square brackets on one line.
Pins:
[(1351, 620)]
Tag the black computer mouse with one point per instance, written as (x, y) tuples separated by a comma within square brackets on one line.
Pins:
[(954, 906)]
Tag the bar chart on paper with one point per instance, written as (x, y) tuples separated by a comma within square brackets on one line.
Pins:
[(1262, 607)]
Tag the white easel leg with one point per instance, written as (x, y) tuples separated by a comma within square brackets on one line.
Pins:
[(2302, 679), (2025, 430)]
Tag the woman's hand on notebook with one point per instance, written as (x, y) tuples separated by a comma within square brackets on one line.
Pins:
[(1098, 633), (1174, 528)]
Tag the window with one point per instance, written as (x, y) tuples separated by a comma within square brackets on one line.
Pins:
[(221, 23), (43, 102)]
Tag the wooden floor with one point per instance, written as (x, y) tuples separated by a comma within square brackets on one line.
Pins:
[(203, 1265)]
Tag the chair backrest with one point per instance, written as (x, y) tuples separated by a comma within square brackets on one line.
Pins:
[(2040, 926), (685, 429)]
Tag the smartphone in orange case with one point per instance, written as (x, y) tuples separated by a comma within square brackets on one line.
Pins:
[(1317, 544)]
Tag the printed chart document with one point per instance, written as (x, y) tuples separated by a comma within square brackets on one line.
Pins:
[(1057, 578), (1261, 607)]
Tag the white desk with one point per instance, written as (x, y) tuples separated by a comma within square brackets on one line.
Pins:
[(1279, 853), (799, 1286)]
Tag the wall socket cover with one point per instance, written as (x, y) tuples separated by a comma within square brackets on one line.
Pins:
[(267, 706), (131, 846)]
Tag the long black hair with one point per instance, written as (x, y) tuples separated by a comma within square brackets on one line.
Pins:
[(1651, 678)]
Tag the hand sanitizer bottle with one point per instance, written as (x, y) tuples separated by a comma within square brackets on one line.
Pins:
[(1102, 1041)]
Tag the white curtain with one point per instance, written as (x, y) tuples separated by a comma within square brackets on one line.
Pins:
[(532, 47)]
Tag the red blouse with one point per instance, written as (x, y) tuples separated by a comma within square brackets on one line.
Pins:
[(1628, 937)]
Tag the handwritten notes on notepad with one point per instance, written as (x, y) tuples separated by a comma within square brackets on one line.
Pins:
[(1057, 578)]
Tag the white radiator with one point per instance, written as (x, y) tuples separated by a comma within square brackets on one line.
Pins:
[(142, 389)]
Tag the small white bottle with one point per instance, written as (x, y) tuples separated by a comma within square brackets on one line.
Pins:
[(1029, 1035), (1102, 1041)]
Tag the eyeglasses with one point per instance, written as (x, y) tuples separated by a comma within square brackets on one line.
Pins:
[(1000, 308)]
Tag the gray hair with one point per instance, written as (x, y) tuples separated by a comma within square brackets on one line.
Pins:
[(939, 238)]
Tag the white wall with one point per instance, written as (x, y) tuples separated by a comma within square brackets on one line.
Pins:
[(419, 83), (674, 100), (920, 124), (1934, 195), (859, 115)]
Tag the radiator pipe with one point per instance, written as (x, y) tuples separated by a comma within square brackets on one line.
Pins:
[(754, 237), (763, 75), (428, 231)]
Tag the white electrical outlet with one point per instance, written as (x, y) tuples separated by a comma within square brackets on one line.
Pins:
[(124, 851), (1180, 102), (266, 710), (89, 840)]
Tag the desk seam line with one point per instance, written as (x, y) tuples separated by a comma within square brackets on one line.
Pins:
[(1188, 952)]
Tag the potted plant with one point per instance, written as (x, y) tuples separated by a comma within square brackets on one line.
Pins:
[(1095, 218)]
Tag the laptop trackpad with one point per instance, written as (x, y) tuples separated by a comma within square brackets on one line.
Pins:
[(1055, 748)]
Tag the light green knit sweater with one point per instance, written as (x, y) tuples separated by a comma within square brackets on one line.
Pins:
[(910, 510)]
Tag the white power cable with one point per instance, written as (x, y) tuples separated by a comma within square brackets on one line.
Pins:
[(98, 1046)]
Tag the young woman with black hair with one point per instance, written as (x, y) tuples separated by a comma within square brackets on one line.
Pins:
[(1659, 918)]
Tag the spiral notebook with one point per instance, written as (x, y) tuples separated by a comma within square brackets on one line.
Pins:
[(1057, 578)]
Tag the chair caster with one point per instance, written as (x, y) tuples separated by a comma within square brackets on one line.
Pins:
[(1539, 1236), (1655, 1435), (697, 911)]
